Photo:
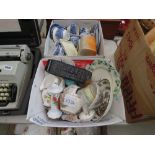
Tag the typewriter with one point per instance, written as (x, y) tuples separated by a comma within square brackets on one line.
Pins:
[(15, 72), (18, 63)]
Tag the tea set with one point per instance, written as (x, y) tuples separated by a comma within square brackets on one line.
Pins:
[(74, 40), (88, 100)]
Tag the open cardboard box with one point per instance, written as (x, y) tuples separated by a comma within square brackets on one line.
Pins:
[(36, 110), (37, 113), (49, 44), (135, 62)]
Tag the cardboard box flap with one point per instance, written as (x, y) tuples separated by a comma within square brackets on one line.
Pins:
[(130, 60)]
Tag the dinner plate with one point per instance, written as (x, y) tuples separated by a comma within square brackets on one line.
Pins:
[(108, 82)]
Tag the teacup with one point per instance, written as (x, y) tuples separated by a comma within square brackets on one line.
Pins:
[(85, 30), (73, 29), (58, 32), (57, 86), (47, 81), (88, 95), (70, 100), (53, 84)]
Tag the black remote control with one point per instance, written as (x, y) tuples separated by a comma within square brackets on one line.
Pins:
[(67, 71)]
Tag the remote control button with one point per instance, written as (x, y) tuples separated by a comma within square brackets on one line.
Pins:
[(1, 98)]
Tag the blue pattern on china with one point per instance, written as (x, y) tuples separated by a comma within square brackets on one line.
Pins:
[(73, 29), (84, 30), (58, 32), (52, 28), (58, 49), (75, 40)]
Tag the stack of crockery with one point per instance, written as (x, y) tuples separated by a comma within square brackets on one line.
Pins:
[(78, 94), (74, 40)]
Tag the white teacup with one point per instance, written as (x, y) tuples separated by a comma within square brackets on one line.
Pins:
[(70, 100)]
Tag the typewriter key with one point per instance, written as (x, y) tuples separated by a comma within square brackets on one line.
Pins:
[(9, 89), (6, 85), (3, 85), (4, 98), (1, 98), (1, 89), (5, 90), (1, 94), (6, 94)]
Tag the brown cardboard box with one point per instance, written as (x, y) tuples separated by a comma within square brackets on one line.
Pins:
[(133, 58)]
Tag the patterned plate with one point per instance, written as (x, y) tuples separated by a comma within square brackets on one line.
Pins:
[(107, 78), (104, 64)]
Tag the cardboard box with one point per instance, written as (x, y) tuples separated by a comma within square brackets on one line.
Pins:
[(37, 113), (133, 61), (49, 44), (36, 110)]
